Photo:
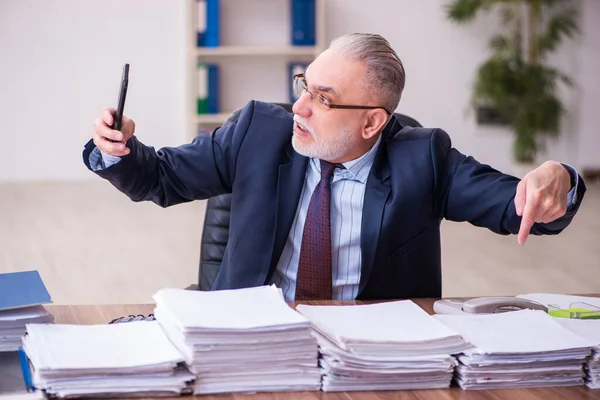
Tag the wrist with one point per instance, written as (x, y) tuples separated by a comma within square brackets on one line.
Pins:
[(569, 178)]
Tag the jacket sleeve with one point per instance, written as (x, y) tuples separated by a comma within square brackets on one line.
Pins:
[(172, 175), (470, 191)]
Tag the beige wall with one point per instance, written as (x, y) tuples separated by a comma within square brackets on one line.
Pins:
[(61, 62)]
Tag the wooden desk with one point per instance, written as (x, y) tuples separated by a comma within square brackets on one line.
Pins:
[(104, 313)]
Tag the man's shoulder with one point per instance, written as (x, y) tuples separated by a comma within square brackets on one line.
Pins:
[(402, 135), (260, 127)]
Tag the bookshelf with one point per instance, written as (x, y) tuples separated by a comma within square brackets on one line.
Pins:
[(264, 58)]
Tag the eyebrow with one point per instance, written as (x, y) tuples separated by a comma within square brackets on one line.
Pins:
[(325, 89)]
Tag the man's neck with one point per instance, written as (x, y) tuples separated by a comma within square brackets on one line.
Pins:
[(359, 152)]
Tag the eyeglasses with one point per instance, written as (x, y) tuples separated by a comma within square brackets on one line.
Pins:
[(300, 87)]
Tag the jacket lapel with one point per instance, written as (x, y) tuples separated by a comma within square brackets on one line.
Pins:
[(292, 172), (376, 195)]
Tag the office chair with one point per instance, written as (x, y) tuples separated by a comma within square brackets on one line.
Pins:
[(215, 231)]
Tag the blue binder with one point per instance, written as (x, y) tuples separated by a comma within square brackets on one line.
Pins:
[(212, 37), (208, 89), (208, 23), (213, 89), (303, 22), (201, 22), (22, 289)]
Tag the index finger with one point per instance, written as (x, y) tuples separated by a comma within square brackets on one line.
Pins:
[(527, 221)]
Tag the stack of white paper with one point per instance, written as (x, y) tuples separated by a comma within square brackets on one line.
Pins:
[(589, 329), (245, 340), (12, 324), (130, 359), (518, 349), (386, 346)]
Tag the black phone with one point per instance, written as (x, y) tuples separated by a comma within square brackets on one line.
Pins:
[(118, 115)]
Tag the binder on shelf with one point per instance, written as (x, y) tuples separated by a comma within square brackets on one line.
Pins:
[(303, 22), (295, 68), (208, 89), (208, 23), (212, 37), (213, 89), (200, 22)]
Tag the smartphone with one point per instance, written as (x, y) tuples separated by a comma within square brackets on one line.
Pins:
[(118, 115)]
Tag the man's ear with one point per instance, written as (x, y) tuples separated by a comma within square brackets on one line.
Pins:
[(375, 123)]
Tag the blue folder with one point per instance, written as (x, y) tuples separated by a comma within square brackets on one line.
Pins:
[(303, 22), (208, 30), (208, 89), (201, 23), (213, 89), (212, 37), (22, 289)]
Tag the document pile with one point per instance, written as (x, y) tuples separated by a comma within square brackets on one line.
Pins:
[(518, 349), (589, 329), (21, 296), (13, 322), (244, 340), (386, 346), (117, 360)]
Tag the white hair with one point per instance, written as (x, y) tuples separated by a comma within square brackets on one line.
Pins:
[(385, 73)]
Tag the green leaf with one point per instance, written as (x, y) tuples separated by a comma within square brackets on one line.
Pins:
[(462, 11), (508, 15), (558, 27), (556, 74), (500, 43)]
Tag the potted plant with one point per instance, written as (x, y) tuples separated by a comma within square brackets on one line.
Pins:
[(516, 82)]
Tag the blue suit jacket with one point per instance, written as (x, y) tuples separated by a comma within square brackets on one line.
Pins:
[(416, 180)]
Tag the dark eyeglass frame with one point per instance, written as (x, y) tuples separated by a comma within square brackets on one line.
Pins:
[(325, 101)]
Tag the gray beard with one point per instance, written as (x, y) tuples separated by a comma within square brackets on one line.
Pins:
[(322, 151)]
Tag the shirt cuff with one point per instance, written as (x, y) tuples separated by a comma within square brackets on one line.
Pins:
[(572, 195), (100, 160)]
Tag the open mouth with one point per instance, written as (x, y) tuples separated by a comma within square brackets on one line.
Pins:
[(300, 129)]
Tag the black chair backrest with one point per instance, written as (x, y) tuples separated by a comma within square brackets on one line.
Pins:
[(215, 231)]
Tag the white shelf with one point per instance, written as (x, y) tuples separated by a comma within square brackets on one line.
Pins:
[(211, 119), (227, 55), (309, 51)]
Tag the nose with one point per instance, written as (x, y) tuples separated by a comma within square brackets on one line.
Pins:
[(302, 106)]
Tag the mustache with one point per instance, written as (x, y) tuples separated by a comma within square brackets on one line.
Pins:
[(301, 121)]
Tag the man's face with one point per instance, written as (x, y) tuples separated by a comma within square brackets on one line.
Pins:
[(319, 131)]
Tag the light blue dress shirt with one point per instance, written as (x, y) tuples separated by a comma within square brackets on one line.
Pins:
[(347, 196)]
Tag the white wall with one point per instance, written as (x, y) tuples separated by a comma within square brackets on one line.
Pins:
[(441, 59), (61, 62), (589, 112)]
